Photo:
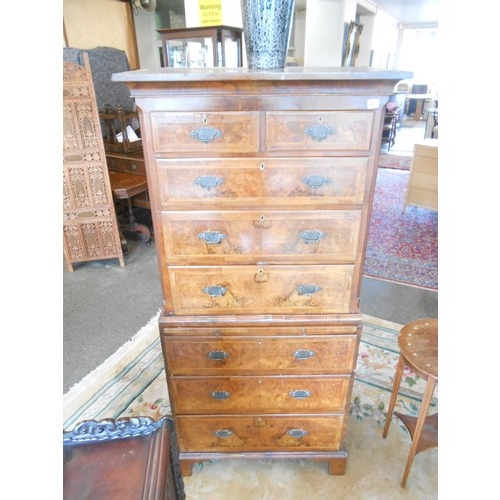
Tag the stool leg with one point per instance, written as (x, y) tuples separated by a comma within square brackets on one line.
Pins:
[(397, 381), (424, 408)]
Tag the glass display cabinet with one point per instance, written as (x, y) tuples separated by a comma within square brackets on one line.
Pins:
[(205, 47)]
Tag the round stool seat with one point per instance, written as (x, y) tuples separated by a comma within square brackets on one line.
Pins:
[(418, 343)]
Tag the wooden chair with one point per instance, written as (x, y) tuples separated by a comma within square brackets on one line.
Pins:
[(418, 344), (389, 128)]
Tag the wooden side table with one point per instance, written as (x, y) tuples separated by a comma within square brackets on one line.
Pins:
[(123, 459), (418, 344), (124, 187)]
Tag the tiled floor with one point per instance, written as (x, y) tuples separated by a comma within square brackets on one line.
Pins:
[(105, 305)]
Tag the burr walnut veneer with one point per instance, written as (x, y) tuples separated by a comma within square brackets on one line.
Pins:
[(261, 186)]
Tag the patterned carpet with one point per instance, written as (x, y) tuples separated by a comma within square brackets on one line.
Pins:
[(402, 244)]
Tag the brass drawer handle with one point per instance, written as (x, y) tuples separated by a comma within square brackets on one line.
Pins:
[(308, 289), (206, 134), (303, 354), (221, 395), (224, 433), (300, 394), (297, 433), (316, 181), (211, 237), (217, 355), (311, 236), (215, 290), (134, 166), (209, 181), (319, 133)]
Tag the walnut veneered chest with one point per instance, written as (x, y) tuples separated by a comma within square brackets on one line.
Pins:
[(261, 185)]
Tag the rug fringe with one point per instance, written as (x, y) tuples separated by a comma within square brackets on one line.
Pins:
[(77, 389)]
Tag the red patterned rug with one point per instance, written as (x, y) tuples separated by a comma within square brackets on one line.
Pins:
[(399, 162), (402, 244)]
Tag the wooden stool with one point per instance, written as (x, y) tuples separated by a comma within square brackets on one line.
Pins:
[(418, 345)]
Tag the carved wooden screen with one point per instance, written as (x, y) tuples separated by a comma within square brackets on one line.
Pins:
[(89, 223)]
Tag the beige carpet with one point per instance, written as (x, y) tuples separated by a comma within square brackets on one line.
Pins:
[(374, 471)]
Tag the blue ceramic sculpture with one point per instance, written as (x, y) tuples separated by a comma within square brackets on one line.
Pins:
[(267, 26)]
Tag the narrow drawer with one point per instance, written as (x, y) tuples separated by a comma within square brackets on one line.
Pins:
[(245, 237), (260, 433), (319, 131), (217, 395), (217, 329), (279, 182), (132, 165), (236, 132), (269, 355), (261, 290)]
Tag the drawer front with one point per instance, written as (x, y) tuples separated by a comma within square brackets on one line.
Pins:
[(260, 433), (217, 395), (319, 131), (261, 290), (269, 355), (236, 132), (218, 330), (246, 237), (134, 166), (278, 182)]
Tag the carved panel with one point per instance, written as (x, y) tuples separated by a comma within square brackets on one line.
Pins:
[(90, 227)]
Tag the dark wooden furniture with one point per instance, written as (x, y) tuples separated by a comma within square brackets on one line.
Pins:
[(90, 228), (125, 186), (116, 124), (212, 40), (261, 186), (123, 459), (418, 344), (389, 129), (132, 163)]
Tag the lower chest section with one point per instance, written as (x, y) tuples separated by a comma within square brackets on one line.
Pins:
[(260, 388)]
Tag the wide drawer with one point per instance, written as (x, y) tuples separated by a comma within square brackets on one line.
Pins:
[(278, 182), (261, 290), (319, 130), (246, 237), (260, 433), (265, 394), (268, 355), (228, 132)]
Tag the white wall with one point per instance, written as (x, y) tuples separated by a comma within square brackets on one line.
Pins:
[(385, 41), (148, 40), (324, 33), (365, 41)]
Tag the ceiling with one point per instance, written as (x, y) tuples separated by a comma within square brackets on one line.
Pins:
[(405, 11), (411, 11)]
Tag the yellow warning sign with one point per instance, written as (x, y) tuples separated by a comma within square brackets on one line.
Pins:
[(210, 12)]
